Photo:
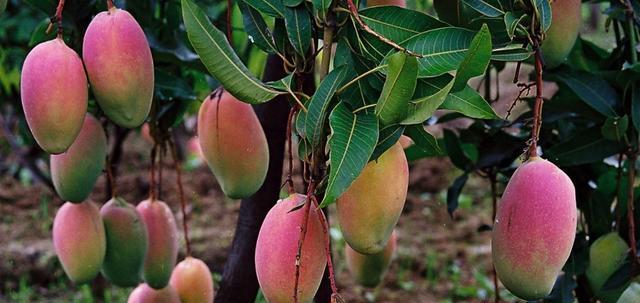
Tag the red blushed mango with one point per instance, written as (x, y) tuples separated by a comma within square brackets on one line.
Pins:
[(79, 240), (145, 294), (369, 270), (534, 229), (126, 243), (400, 3), (233, 144), (120, 67), (162, 254), (370, 208), (276, 250), (54, 92), (563, 33), (74, 172), (192, 280)]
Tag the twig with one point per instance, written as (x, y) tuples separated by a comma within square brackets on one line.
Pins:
[(110, 4), (229, 11), (335, 296), (57, 18), (523, 88), (303, 234), (618, 185), (289, 139), (494, 199), (537, 110), (354, 12), (183, 204), (631, 159)]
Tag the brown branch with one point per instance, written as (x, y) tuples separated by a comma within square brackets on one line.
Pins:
[(335, 296), (631, 159), (183, 204), (303, 234), (354, 12), (537, 109), (57, 18), (229, 11)]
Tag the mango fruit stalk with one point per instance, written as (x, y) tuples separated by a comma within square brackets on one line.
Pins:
[(370, 208), (369, 270), (54, 92), (534, 229), (233, 144), (276, 250), (192, 280), (75, 172), (120, 67), (79, 240)]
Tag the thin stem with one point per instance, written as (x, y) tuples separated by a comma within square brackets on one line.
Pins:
[(229, 11), (300, 104), (289, 138), (183, 204), (301, 237), (633, 41), (161, 153), (631, 159), (494, 199), (327, 250), (354, 12), (327, 48), (537, 110), (618, 185), (110, 4), (359, 77), (57, 18)]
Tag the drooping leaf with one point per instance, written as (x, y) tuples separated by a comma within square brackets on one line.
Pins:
[(257, 28), (588, 146), (454, 191), (543, 10), (388, 136), (353, 139), (398, 89), (485, 8), (220, 59), (424, 140), (469, 103), (320, 7), (453, 146), (318, 106), (428, 96), (511, 21), (274, 8), (298, 25), (476, 59), (592, 90)]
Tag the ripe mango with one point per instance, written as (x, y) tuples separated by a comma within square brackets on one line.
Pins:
[(563, 33), (75, 172), (606, 255), (192, 280), (54, 92), (631, 294), (534, 229), (400, 3), (120, 67), (233, 144), (126, 243), (145, 294), (162, 254), (369, 270), (276, 250), (370, 208), (79, 240)]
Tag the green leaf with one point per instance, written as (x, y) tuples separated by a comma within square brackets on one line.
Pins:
[(428, 96), (298, 26), (423, 139), (314, 120), (398, 88), (484, 8), (280, 37), (511, 21), (273, 8), (353, 139), (453, 193), (40, 33), (220, 59), (320, 7), (469, 103), (453, 146), (292, 3), (615, 128), (591, 89), (169, 87), (511, 54), (588, 146), (257, 28), (476, 59), (543, 11), (388, 136)]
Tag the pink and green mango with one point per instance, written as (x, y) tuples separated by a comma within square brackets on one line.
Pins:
[(126, 243), (79, 240), (563, 33), (276, 250), (534, 229), (369, 270), (192, 280), (370, 208), (120, 67), (145, 294), (75, 172), (54, 92), (233, 144), (162, 254)]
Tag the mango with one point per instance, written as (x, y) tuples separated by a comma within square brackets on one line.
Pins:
[(145, 294), (400, 3), (192, 280), (54, 92), (631, 294), (126, 243), (606, 255), (276, 250), (79, 240), (120, 67), (370, 208), (162, 254), (75, 172), (233, 144), (369, 270), (534, 229), (563, 33)]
